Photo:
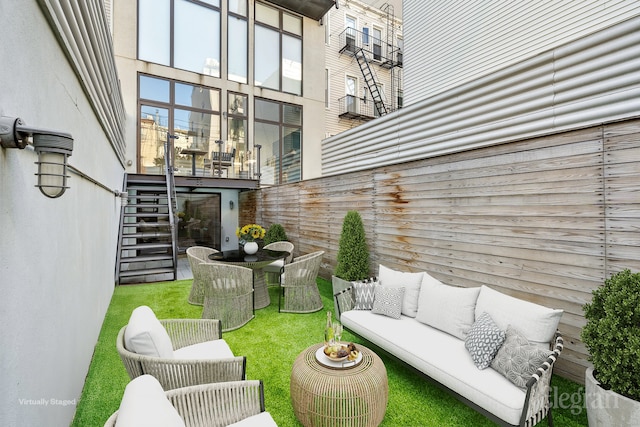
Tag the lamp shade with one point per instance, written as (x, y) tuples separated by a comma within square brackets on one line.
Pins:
[(53, 151)]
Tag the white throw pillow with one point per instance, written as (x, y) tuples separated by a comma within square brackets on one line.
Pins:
[(448, 308), (145, 334), (538, 323), (145, 404), (411, 282)]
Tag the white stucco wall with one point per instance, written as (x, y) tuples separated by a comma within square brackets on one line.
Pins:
[(57, 256)]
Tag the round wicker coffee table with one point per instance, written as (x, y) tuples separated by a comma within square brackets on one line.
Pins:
[(324, 396)]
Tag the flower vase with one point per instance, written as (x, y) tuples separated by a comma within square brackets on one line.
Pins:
[(250, 248)]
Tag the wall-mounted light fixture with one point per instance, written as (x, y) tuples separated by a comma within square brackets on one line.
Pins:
[(231, 204), (53, 148)]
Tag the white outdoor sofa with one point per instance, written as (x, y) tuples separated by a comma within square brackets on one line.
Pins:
[(492, 351)]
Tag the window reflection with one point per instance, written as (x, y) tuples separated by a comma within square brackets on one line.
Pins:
[(237, 50), (197, 38), (154, 31), (267, 62)]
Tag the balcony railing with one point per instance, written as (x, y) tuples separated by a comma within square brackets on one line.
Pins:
[(352, 107), (377, 50)]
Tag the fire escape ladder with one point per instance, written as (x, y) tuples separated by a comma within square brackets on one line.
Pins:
[(370, 80)]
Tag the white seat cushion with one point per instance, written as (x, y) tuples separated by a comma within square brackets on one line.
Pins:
[(275, 266), (263, 419), (145, 403), (216, 349), (145, 334)]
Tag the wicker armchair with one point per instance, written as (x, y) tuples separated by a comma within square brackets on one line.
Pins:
[(178, 372), (197, 255), (215, 405), (228, 294), (273, 271), (300, 292)]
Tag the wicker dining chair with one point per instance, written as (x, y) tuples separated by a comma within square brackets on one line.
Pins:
[(197, 255), (299, 293), (273, 271), (215, 405), (182, 366), (228, 294)]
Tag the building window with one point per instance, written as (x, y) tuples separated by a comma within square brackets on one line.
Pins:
[(278, 50), (190, 113), (181, 34), (278, 130), (377, 44), (237, 36), (326, 88)]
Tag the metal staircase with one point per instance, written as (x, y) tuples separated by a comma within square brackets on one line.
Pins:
[(370, 79), (147, 248)]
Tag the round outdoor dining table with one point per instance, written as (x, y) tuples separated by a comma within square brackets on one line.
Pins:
[(256, 262)]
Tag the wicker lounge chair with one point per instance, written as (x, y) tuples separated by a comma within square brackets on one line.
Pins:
[(214, 405), (228, 294), (196, 256), (176, 348), (273, 271), (300, 292)]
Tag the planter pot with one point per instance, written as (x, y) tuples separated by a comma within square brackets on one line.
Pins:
[(250, 248), (606, 408)]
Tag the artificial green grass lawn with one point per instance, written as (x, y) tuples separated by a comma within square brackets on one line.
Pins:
[(271, 342)]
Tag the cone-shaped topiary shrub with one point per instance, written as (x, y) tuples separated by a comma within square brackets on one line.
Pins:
[(612, 333), (275, 233), (353, 254)]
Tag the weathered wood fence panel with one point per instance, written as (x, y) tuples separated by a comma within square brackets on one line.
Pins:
[(546, 219)]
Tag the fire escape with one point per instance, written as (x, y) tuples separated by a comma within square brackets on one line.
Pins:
[(367, 51)]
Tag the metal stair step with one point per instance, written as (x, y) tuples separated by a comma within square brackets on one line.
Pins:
[(146, 235), (146, 258), (143, 246), (145, 272)]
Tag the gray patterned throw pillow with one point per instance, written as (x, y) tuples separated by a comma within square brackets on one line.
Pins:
[(388, 301), (483, 341), (363, 293), (517, 359)]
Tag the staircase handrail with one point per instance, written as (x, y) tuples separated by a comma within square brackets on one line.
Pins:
[(171, 198)]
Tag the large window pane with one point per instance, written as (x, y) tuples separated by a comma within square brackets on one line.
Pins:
[(268, 136), (292, 115), (291, 65), (153, 134), (197, 97), (197, 38), (154, 31), (267, 54), (154, 89), (237, 50)]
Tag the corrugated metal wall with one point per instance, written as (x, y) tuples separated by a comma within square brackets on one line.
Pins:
[(86, 40), (591, 81), (453, 42), (545, 219)]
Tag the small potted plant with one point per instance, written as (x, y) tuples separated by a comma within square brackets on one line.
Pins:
[(275, 233), (353, 254), (248, 235), (612, 336)]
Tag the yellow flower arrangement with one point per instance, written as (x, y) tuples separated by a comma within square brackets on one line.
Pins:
[(250, 232)]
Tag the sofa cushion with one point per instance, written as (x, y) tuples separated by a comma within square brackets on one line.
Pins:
[(536, 322), (216, 349), (263, 419), (483, 341), (400, 279), (145, 334), (388, 301), (363, 294), (448, 308), (144, 403), (518, 359)]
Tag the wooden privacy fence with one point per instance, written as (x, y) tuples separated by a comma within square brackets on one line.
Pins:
[(544, 219)]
